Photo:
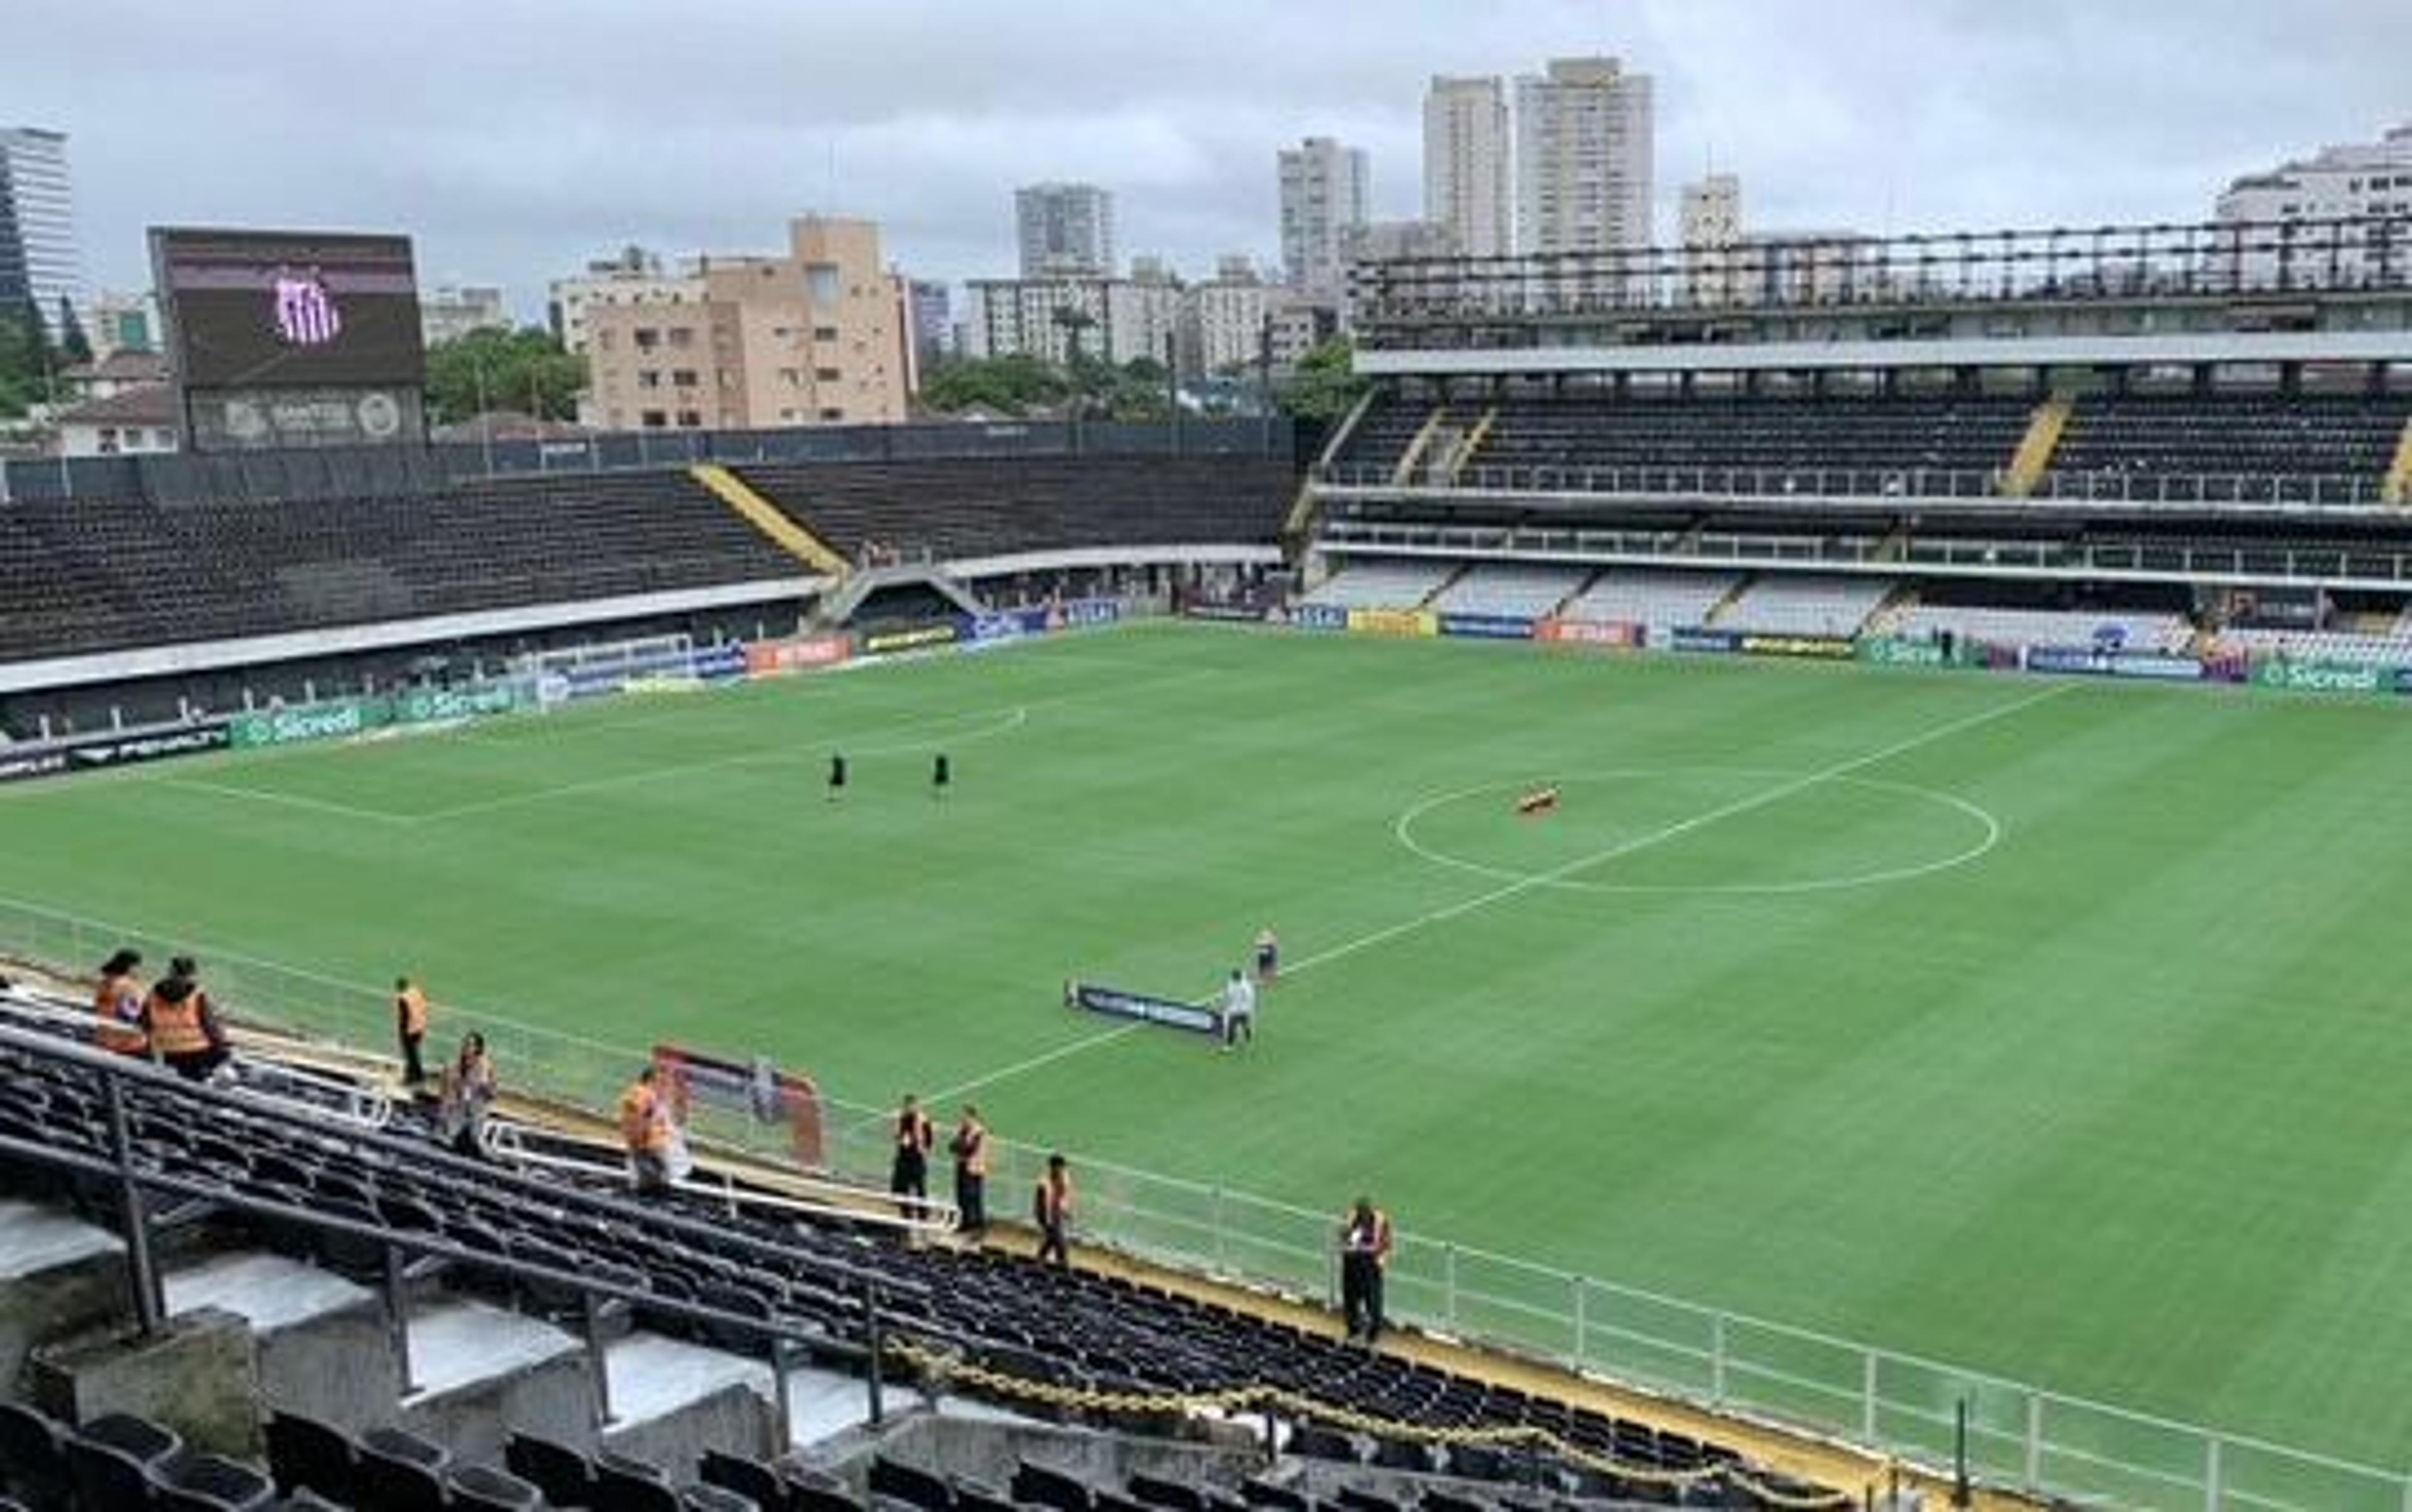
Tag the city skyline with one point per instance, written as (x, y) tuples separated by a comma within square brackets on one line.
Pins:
[(1178, 113)]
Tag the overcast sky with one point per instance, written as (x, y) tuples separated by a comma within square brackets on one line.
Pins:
[(515, 139)]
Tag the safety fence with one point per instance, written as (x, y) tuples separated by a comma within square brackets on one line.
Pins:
[(2017, 1435)]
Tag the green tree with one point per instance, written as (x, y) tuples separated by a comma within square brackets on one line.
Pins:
[(521, 370), (1324, 385), (1014, 385), (74, 345), (27, 362)]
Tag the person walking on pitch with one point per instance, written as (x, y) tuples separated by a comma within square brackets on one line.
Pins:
[(942, 774), (837, 777), (1268, 957), (1239, 1009)]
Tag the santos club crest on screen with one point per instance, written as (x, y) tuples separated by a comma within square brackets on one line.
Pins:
[(306, 312)]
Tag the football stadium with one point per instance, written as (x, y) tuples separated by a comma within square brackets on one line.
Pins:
[(1821, 840)]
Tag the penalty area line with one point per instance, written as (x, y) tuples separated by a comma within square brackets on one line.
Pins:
[(1521, 885)]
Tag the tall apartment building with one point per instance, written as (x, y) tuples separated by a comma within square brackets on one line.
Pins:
[(1226, 320), (1119, 319), (1468, 167), (2362, 179), (1324, 187), (1066, 231), (933, 320), (815, 336), (1584, 152), (39, 259), (1711, 228)]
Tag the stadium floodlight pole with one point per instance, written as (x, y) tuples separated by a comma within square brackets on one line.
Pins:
[(485, 412)]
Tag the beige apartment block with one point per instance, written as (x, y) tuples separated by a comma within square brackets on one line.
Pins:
[(817, 336)]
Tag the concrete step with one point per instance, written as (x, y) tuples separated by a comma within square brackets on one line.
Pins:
[(673, 1400), (59, 1275), (481, 1371), (322, 1343)]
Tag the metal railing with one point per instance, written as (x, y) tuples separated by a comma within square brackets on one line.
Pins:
[(1975, 557), (2357, 255), (2284, 492), (2020, 1435)]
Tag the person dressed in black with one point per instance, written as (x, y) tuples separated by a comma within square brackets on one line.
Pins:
[(1050, 1209), (969, 1147), (1364, 1257), (941, 775), (837, 776), (908, 1179)]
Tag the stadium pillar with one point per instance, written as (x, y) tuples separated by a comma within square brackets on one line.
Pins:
[(1449, 1284), (397, 1321), (871, 1333), (142, 1272), (590, 1316)]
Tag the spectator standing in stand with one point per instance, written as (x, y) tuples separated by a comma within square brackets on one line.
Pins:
[(410, 1028), (1364, 1255), (969, 1147), (1050, 1209), (181, 1024), (117, 1006), (645, 1129), (909, 1178), (467, 1093)]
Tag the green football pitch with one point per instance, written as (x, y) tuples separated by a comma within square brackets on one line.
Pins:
[(2051, 1029)]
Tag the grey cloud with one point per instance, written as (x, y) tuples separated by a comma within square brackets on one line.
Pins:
[(516, 137)]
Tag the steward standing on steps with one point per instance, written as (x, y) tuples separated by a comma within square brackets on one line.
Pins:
[(117, 1004), (970, 1148), (410, 1028), (908, 1179), (1365, 1254), (181, 1025)]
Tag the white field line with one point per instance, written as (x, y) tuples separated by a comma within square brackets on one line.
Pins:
[(1523, 884), (291, 800)]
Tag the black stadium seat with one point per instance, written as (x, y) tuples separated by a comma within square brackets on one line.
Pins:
[(399, 1472), (210, 1483), (748, 1477), (491, 1490), (303, 1452), (33, 1461), (1036, 1485), (917, 1488), (565, 1476), (623, 1485)]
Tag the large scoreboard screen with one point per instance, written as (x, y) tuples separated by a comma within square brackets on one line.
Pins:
[(284, 338)]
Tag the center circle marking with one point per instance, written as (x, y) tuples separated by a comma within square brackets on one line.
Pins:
[(1402, 830)]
